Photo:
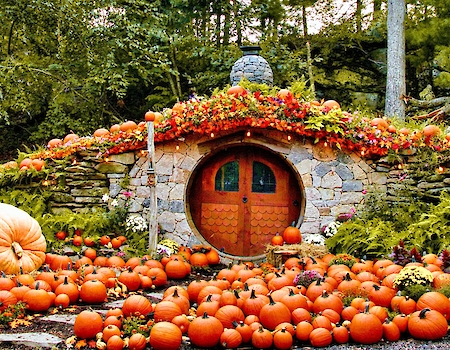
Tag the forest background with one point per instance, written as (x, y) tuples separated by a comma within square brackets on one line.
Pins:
[(79, 65)]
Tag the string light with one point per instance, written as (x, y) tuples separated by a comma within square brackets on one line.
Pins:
[(45, 183), (400, 166), (177, 147), (362, 153), (106, 159), (325, 144), (74, 162), (248, 133), (289, 138), (440, 169), (212, 135), (143, 152)]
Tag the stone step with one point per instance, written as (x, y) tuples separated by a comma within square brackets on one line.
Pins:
[(46, 340), (34, 340)]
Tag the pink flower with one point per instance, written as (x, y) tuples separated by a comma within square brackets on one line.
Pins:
[(128, 194), (364, 191)]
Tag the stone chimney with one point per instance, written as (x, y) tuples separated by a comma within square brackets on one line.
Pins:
[(252, 67)]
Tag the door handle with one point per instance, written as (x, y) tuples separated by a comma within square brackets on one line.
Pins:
[(244, 199)]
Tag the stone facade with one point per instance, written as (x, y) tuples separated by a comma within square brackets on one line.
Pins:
[(333, 181)]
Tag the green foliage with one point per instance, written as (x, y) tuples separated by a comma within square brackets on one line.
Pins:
[(34, 203), (444, 290), (136, 324), (415, 291), (343, 259), (370, 238), (12, 312), (348, 296), (378, 227)]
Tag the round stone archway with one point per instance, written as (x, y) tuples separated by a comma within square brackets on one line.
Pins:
[(240, 194)]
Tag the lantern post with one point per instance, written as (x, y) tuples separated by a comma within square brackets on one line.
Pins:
[(151, 182)]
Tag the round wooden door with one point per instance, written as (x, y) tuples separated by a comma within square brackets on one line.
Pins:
[(243, 196)]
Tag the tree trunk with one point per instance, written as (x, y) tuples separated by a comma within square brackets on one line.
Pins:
[(237, 20), (395, 80), (358, 15)]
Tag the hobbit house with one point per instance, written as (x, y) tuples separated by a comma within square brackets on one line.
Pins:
[(232, 171)]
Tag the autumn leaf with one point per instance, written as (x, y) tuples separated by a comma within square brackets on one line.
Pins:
[(80, 343), (70, 341), (19, 322)]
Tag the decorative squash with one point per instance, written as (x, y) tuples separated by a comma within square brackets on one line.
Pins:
[(22, 244)]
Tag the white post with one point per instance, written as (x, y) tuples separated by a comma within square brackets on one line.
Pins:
[(151, 182)]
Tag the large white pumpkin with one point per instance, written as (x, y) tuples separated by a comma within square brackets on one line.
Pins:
[(22, 244)]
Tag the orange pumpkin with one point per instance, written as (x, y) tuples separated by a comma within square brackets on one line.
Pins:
[(431, 131), (55, 143), (128, 126), (277, 240), (88, 324), (331, 104), (236, 91), (292, 235), (149, 116)]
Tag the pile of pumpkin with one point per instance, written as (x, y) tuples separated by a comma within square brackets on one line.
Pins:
[(243, 304), (261, 306)]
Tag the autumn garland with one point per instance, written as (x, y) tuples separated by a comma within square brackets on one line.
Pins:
[(225, 112)]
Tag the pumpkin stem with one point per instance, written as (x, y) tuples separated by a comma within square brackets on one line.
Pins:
[(17, 249), (366, 308), (236, 294), (423, 312), (271, 301)]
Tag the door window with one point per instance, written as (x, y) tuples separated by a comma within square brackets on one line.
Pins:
[(263, 179), (227, 177)]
